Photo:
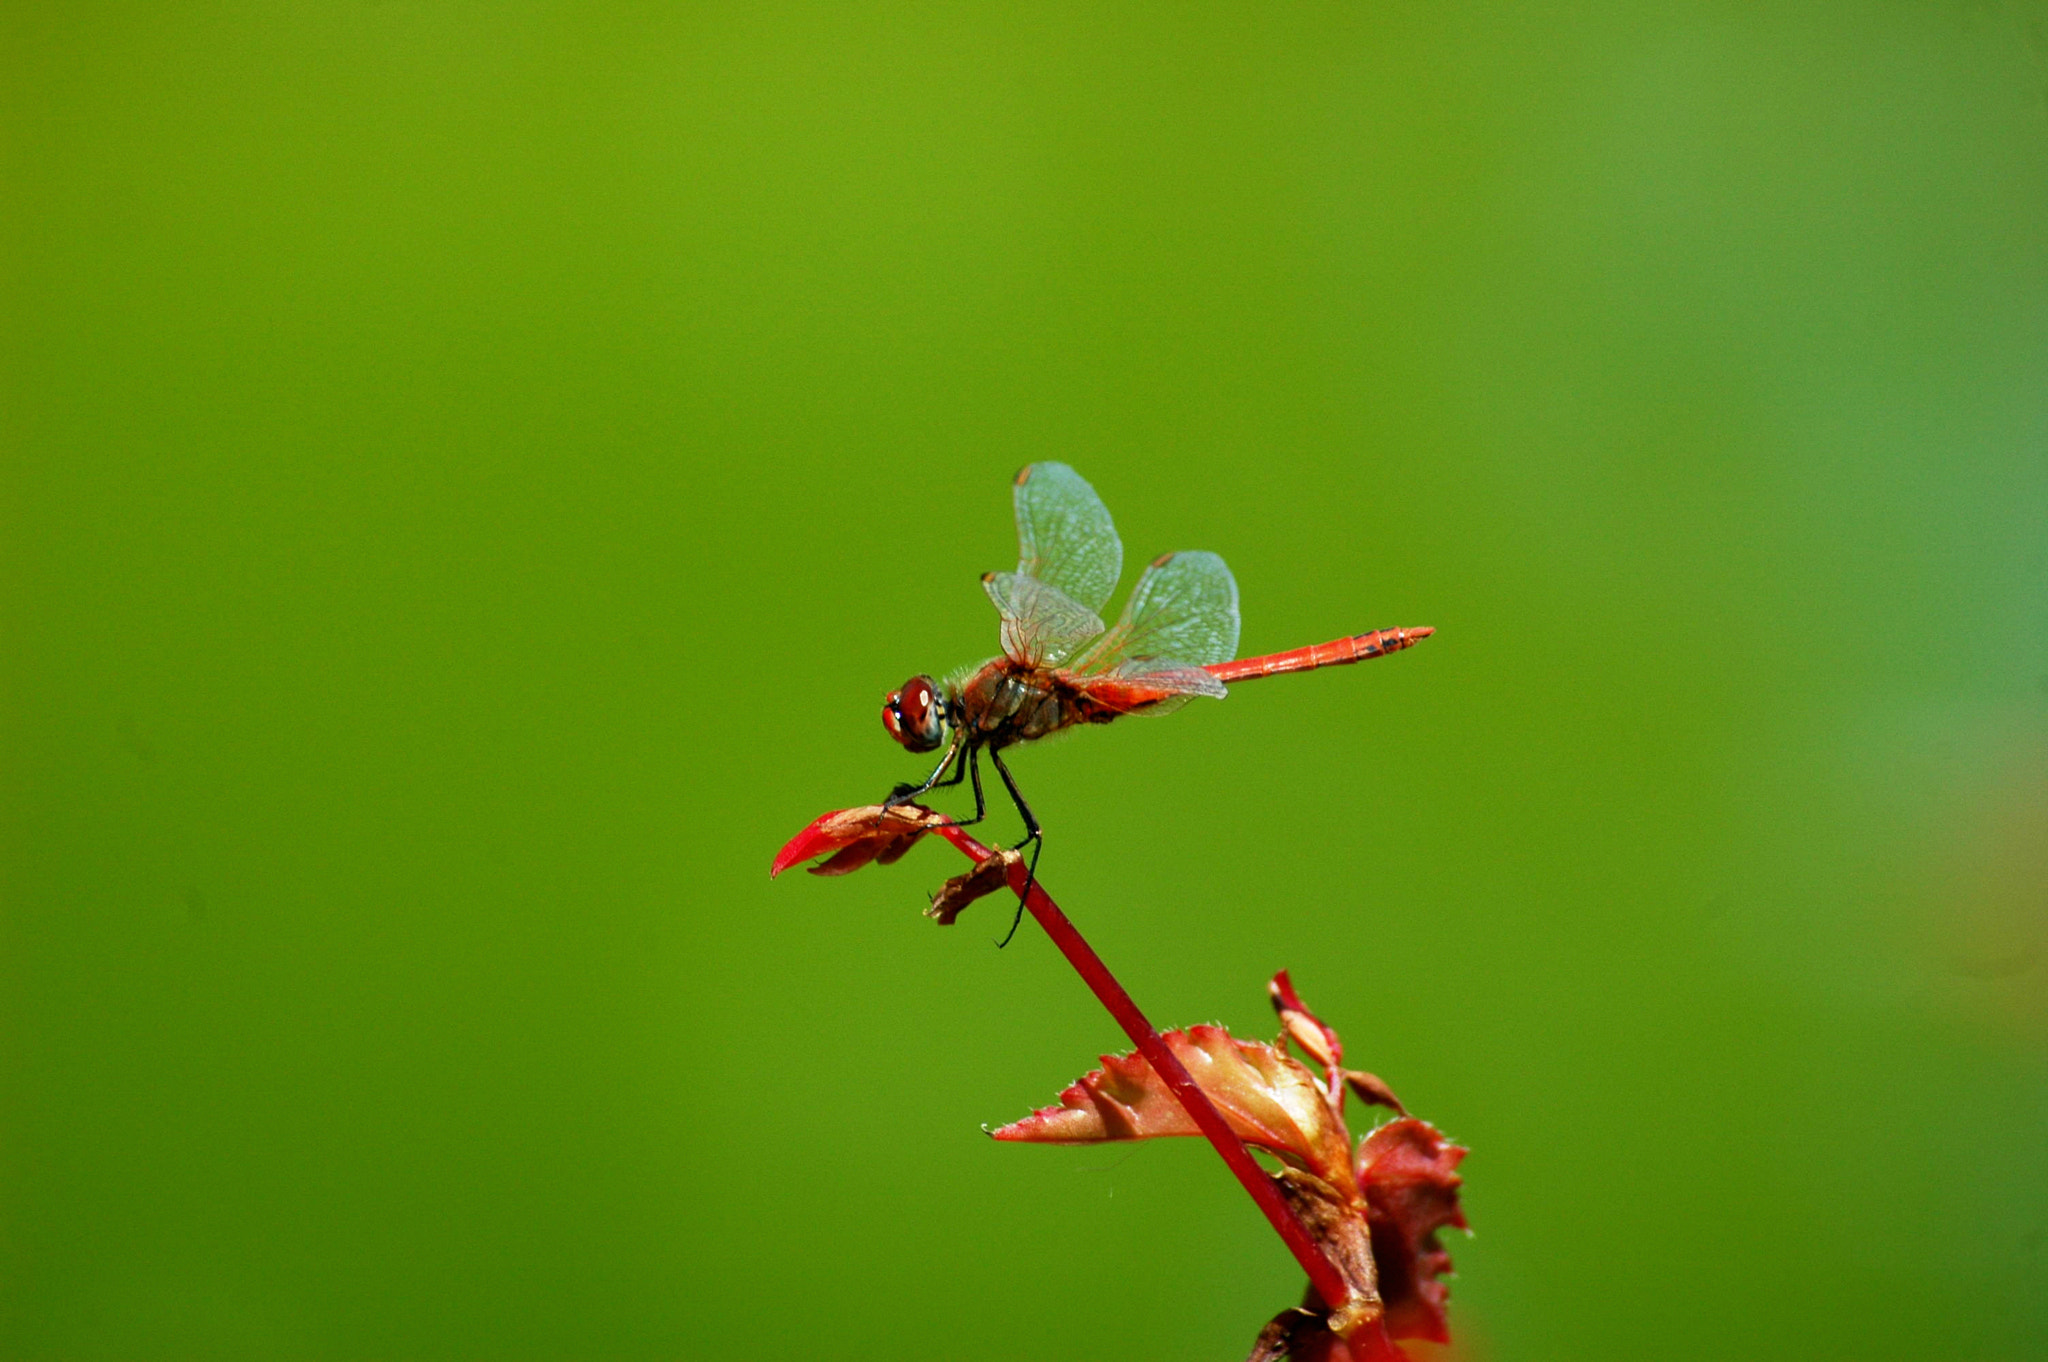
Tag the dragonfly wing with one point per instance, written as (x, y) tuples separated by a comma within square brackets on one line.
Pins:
[(1170, 678), (1042, 625), (1182, 616), (1065, 537), (1150, 688)]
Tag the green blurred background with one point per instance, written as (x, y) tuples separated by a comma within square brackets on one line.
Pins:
[(472, 472)]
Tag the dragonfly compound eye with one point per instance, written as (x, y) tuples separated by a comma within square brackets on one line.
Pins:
[(914, 715)]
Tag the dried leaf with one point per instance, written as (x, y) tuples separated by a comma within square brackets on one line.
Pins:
[(850, 838), (1304, 1335), (1319, 1041), (1408, 1172), (989, 874), (1269, 1099), (1337, 1225), (1372, 1089), (1288, 1334)]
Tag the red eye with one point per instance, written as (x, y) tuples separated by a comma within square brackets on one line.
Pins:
[(917, 705), (914, 716)]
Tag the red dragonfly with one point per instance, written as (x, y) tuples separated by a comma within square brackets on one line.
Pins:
[(1062, 666)]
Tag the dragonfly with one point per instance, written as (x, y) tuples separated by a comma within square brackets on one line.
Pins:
[(1062, 667)]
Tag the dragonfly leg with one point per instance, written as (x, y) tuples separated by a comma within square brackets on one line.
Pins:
[(973, 765), (970, 764), (906, 793), (1033, 834), (959, 770), (1030, 879), (963, 759)]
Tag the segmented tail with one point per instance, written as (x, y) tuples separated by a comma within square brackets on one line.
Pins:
[(1338, 653)]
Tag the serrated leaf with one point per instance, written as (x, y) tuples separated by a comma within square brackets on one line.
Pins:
[(1269, 1099)]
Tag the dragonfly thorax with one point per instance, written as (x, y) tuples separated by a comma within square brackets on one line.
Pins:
[(1005, 702)]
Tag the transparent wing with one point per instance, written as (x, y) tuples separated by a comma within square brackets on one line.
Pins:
[(1149, 688), (1065, 537), (1182, 616), (1171, 679), (1042, 625)]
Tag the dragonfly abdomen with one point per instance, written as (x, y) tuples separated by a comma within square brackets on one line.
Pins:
[(1336, 653)]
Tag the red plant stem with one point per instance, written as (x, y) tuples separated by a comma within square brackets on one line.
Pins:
[(1322, 1273)]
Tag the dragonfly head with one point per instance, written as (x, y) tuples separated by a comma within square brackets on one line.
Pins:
[(916, 715)]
